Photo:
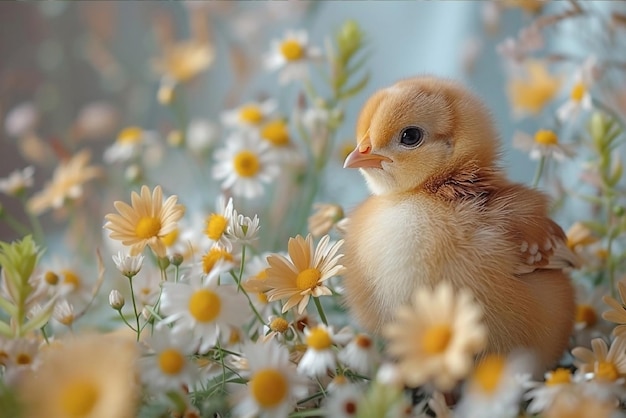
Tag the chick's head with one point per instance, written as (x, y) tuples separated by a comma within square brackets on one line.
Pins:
[(421, 129)]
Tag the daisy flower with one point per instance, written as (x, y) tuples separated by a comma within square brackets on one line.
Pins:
[(588, 322), (146, 222), (579, 403), (360, 355), (216, 255), (217, 223), (19, 356), (67, 183), (251, 115), (128, 265), (200, 305), (131, 143), (319, 356), (495, 388), (70, 383), (273, 387), (545, 143), (244, 230), (325, 217), (245, 164), (276, 133), (17, 182), (344, 399), (617, 314), (184, 60), (579, 96), (21, 120), (530, 92), (304, 273), (290, 55), (607, 365), (166, 365), (437, 337)]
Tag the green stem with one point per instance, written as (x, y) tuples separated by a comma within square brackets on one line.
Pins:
[(45, 336), (14, 224), (132, 295), (320, 310), (125, 321), (256, 313), (540, 166)]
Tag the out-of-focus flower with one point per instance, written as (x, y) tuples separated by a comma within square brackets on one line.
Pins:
[(578, 236), (273, 387), (319, 356), (146, 222), (19, 356), (166, 365), (545, 143), (245, 164), (21, 120), (17, 182), (66, 184), (304, 273), (495, 387), (617, 314), (201, 135), (325, 217), (579, 403), (607, 365), (70, 383), (361, 355), (184, 60), (201, 306), (532, 91), (529, 6), (290, 55), (517, 50), (96, 120), (436, 338), (542, 394), (132, 142), (250, 115), (579, 96), (128, 265), (344, 399), (64, 313)]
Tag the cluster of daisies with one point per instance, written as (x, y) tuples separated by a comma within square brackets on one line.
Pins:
[(222, 329)]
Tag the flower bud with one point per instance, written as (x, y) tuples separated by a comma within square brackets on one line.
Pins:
[(116, 300), (176, 259)]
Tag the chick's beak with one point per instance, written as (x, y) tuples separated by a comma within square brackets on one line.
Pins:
[(362, 157)]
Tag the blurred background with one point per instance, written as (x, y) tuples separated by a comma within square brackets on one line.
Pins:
[(75, 74)]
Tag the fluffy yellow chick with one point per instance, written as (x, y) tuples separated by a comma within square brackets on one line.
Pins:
[(442, 209)]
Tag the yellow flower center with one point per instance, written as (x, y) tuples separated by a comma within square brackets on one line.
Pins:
[(546, 137), (169, 239), (69, 277), (586, 314), (251, 114), (279, 325), (23, 359), (559, 377), (606, 371), (436, 339), (268, 387), (533, 93), (262, 297), (308, 279), (578, 92), (171, 361), (276, 133), (488, 373), (291, 50), (213, 256), (363, 341), (235, 336), (205, 305), (215, 226), (318, 339), (51, 278), (246, 163), (148, 227), (78, 399), (130, 135)]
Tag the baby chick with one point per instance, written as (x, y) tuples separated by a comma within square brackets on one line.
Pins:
[(442, 209)]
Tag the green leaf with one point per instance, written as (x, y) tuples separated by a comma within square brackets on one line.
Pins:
[(40, 319), (5, 330), (8, 306), (355, 89)]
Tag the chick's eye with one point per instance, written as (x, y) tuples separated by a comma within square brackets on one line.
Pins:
[(411, 137)]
